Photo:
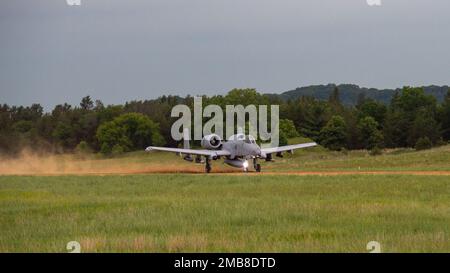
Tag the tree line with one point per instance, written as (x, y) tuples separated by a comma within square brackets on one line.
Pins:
[(411, 119)]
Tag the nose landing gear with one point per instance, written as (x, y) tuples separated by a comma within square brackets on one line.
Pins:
[(245, 166)]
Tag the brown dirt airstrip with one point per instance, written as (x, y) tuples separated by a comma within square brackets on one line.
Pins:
[(29, 164)]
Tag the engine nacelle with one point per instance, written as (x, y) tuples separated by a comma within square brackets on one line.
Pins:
[(211, 142)]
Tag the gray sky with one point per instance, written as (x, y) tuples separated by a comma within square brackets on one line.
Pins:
[(118, 50)]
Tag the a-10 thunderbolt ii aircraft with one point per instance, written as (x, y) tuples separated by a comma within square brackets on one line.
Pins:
[(236, 151)]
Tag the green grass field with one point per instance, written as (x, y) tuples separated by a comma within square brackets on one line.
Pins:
[(235, 213)]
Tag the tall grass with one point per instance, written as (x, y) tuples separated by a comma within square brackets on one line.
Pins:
[(179, 213)]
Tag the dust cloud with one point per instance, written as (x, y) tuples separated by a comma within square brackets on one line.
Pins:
[(29, 163)]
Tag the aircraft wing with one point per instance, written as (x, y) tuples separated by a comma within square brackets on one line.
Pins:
[(287, 148), (189, 151)]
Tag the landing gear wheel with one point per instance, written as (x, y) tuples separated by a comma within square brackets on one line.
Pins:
[(256, 166), (208, 165)]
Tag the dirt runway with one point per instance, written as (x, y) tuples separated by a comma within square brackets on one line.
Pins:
[(336, 173), (33, 165), (225, 172)]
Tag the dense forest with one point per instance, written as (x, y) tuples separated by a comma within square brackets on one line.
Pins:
[(412, 118)]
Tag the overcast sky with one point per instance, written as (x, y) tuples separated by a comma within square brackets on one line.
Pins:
[(119, 50)]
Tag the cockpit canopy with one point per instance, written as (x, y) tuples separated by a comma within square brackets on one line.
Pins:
[(246, 138)]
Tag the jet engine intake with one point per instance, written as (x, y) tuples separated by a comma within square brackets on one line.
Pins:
[(211, 142)]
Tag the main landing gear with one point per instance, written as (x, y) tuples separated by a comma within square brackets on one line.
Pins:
[(207, 165), (256, 165)]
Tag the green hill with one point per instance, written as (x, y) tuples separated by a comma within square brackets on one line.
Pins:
[(349, 93)]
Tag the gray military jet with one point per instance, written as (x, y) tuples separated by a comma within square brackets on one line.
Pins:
[(236, 151)]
